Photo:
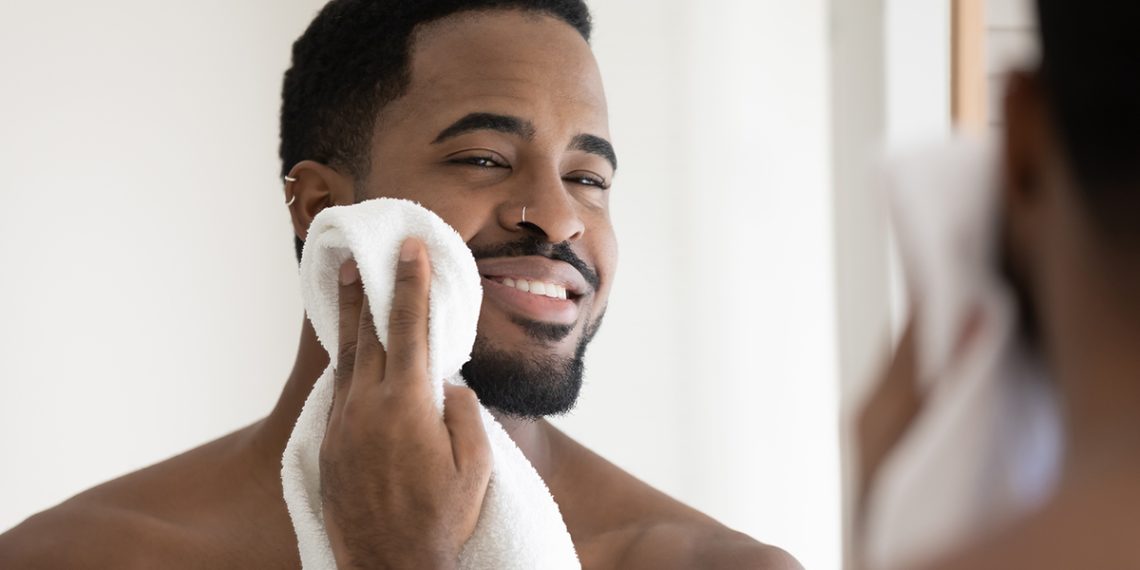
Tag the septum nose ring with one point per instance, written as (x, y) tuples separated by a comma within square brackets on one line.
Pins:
[(523, 215)]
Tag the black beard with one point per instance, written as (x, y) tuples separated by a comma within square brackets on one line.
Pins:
[(528, 386)]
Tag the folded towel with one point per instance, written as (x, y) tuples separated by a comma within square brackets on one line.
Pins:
[(520, 526), (986, 446)]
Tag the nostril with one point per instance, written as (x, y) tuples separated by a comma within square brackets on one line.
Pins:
[(533, 229)]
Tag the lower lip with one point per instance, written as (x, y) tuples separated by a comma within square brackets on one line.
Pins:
[(531, 306)]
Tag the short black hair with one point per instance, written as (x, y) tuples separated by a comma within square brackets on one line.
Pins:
[(1090, 66), (354, 58)]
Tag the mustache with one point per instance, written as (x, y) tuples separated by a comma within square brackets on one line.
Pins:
[(531, 245)]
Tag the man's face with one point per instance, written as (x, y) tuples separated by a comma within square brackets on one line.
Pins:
[(505, 110)]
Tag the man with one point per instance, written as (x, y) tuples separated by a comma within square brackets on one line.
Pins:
[(1071, 203), (490, 113)]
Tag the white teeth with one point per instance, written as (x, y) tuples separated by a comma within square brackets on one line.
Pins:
[(549, 290)]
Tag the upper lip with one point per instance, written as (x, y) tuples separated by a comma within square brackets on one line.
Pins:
[(535, 268)]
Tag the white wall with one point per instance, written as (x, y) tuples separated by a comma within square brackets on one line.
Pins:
[(890, 89), (149, 288), (149, 133), (858, 86), (715, 378), (918, 71)]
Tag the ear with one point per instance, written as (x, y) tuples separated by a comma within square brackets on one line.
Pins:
[(313, 187), (1025, 157)]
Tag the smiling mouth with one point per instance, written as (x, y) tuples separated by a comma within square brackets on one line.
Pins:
[(537, 288), (532, 301)]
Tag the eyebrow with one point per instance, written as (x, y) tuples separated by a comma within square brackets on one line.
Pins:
[(595, 145), (524, 129), (487, 122)]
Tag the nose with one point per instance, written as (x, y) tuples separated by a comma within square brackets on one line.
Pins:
[(542, 207)]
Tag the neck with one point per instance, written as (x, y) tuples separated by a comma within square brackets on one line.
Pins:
[(534, 440), (271, 435)]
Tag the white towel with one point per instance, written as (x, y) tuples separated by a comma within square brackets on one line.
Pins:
[(987, 445), (520, 526)]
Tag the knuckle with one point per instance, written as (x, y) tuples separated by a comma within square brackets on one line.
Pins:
[(345, 356), (484, 463), (409, 274), (350, 413), (330, 479), (368, 328), (328, 449), (463, 396), (477, 468), (404, 360), (467, 394), (341, 376), (404, 318), (398, 410), (349, 295)]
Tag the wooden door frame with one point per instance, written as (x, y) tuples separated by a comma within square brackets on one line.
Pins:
[(968, 99)]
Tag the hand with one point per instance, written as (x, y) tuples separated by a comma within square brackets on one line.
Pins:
[(400, 486), (885, 417), (888, 413), (893, 406), (897, 400)]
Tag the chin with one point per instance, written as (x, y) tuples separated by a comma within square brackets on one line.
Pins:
[(526, 383), (528, 369)]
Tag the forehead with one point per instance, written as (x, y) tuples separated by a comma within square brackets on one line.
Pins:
[(529, 65)]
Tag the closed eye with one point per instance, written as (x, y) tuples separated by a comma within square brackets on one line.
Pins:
[(479, 161), (587, 180)]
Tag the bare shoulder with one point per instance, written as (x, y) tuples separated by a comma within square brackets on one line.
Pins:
[(208, 507), (695, 545), (681, 545), (731, 549), (621, 521), (1093, 525), (87, 535)]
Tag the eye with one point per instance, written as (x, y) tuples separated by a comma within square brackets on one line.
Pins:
[(587, 180), (480, 161)]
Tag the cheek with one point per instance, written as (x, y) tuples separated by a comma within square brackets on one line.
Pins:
[(605, 254), (468, 216), (466, 211)]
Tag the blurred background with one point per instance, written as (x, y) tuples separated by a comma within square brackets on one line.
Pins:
[(149, 289)]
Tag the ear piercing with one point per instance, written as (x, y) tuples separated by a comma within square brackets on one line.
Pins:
[(289, 179)]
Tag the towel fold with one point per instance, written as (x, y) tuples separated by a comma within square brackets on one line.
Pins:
[(986, 446), (520, 526)]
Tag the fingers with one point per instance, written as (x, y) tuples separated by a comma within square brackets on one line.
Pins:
[(349, 300), (469, 444), (407, 353), (370, 354), (901, 383), (891, 409)]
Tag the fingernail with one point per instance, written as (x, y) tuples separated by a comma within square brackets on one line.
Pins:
[(410, 250), (349, 273)]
